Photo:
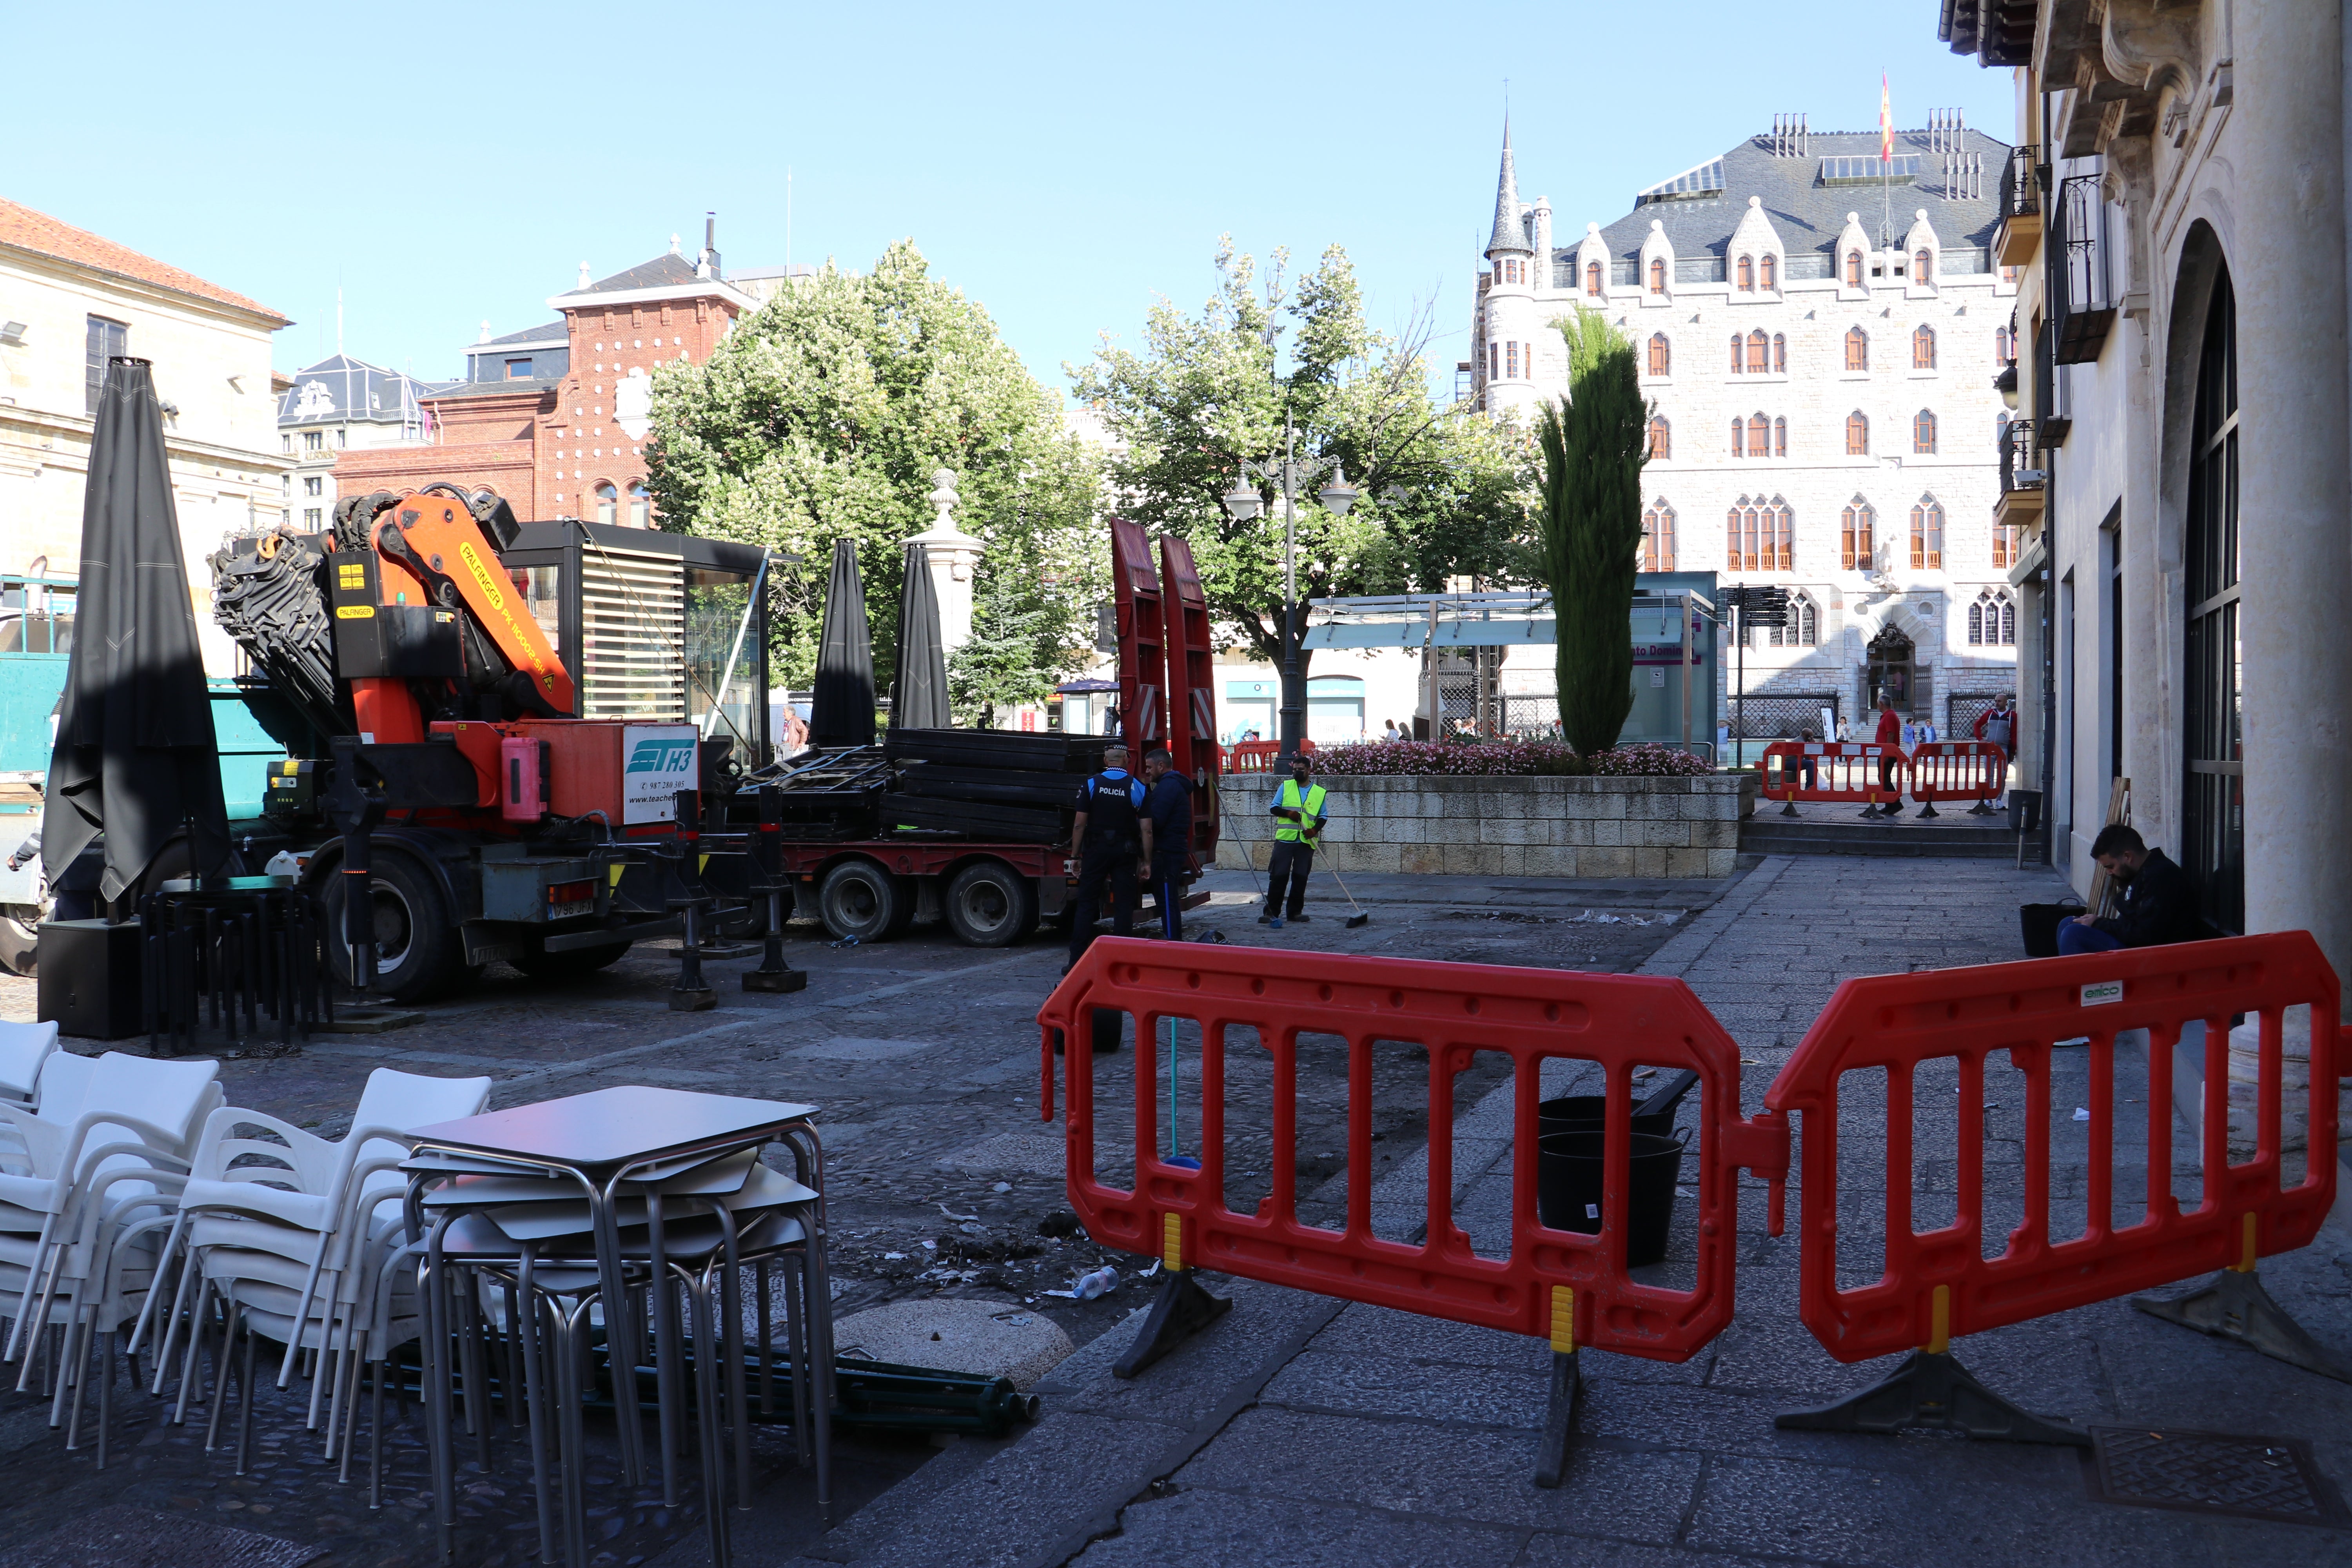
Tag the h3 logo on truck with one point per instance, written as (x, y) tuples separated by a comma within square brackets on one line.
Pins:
[(657, 762)]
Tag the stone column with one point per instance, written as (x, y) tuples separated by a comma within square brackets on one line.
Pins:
[(954, 556), (2294, 416)]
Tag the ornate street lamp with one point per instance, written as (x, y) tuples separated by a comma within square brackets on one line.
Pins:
[(1242, 503)]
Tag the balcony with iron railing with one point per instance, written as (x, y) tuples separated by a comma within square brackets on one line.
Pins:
[(2082, 296), (2020, 235), (2022, 476)]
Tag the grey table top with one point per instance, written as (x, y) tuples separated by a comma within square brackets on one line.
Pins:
[(611, 1127)]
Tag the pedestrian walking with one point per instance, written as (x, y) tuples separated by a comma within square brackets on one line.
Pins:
[(1996, 726), (1168, 820), (1298, 812), (1927, 732), (1113, 838), (1805, 759), (2158, 905), (1390, 733), (1890, 736)]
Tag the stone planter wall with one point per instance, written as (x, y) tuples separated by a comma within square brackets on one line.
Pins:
[(1507, 827)]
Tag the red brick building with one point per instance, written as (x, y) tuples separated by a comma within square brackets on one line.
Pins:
[(571, 442)]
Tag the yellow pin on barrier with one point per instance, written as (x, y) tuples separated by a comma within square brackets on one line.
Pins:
[(1172, 1243), (1939, 1322), (1563, 1320)]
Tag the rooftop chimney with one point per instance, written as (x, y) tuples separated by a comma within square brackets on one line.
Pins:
[(1791, 138), (710, 266)]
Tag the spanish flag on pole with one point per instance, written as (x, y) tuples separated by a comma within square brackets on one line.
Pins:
[(1886, 123)]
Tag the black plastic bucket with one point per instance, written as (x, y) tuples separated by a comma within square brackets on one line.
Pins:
[(1582, 1113), (1569, 1189)]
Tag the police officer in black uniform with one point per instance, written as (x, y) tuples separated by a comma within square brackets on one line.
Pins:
[(1167, 819), (1113, 838)]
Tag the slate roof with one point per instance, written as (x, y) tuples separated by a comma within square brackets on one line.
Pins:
[(494, 388), (1808, 213), (349, 388), (554, 332), (1509, 235), (22, 228), (663, 271)]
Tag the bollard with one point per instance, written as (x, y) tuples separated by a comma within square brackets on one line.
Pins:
[(692, 994), (773, 975)]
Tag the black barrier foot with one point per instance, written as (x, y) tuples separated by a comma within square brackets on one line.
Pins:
[(1180, 1310), (1981, 809), (1559, 1419), (1927, 808), (1789, 809), (1933, 1390), (2236, 1307)]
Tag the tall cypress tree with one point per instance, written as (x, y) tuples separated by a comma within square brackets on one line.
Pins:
[(1589, 526)]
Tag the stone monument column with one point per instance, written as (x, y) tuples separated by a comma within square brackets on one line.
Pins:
[(954, 557)]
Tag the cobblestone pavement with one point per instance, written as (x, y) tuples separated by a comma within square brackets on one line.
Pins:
[(923, 1056), (1303, 1430)]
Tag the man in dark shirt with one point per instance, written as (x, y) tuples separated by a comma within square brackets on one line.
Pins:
[(1167, 814), (1113, 840), (2158, 906)]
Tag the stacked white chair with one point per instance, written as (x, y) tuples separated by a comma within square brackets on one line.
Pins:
[(22, 1048), (290, 1235)]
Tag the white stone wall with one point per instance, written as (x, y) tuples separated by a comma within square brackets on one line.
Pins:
[(1506, 826), (1701, 480), (212, 361)]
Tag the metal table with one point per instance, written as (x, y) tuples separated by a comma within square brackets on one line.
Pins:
[(604, 1140)]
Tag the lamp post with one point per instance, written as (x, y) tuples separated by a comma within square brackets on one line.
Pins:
[(1244, 502)]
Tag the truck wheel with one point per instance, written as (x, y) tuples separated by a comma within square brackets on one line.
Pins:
[(989, 904), (570, 965), (417, 954), (20, 935), (859, 899)]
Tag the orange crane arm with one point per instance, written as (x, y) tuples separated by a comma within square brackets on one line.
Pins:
[(438, 543)]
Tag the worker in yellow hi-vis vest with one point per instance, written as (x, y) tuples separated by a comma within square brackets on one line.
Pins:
[(1300, 815)]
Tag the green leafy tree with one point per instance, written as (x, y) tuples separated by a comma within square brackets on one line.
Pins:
[(824, 416), (1589, 526), (1205, 392)]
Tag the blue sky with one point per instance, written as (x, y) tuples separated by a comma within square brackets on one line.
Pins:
[(1062, 164)]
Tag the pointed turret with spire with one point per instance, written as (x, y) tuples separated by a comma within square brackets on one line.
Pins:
[(1511, 235)]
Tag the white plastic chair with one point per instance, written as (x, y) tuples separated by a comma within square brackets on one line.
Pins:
[(22, 1048)]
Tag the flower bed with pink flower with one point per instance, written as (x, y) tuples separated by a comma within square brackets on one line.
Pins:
[(1506, 758)]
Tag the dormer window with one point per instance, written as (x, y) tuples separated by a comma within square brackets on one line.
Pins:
[(1592, 278), (1854, 269), (1923, 267), (1746, 275), (1770, 274), (1657, 274)]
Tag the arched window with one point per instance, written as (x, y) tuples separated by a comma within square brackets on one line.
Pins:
[(1804, 627), (1735, 342), (1857, 551), (1923, 267), (1661, 437), (1923, 431), (1992, 620), (1977, 621), (1770, 273), (1760, 436), (1923, 347), (1759, 353), (1779, 354), (1857, 349), (1780, 537), (641, 505), (1746, 275), (1927, 535), (1744, 529), (1854, 269), (1657, 274), (1592, 278), (1739, 436), (1662, 354), (1780, 437), (1857, 434), (1658, 537), (608, 503), (2008, 622), (2001, 353)]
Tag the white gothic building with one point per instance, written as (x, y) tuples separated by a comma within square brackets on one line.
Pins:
[(1819, 336)]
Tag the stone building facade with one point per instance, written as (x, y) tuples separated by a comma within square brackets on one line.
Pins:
[(68, 300), (562, 435), (2179, 209), (1820, 345)]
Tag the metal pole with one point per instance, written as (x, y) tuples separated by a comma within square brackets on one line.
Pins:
[(1740, 738), (1294, 694), (1685, 618)]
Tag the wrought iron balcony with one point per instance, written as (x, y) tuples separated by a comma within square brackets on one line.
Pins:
[(2020, 235)]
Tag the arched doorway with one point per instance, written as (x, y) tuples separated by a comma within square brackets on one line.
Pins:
[(1890, 656)]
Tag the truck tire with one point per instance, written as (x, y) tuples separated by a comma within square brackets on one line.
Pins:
[(989, 904), (20, 938), (419, 956), (572, 965), (859, 899)]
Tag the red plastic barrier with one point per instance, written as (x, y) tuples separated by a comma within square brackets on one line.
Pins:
[(1831, 771), (1957, 770), (1938, 1282), (1572, 1288), (1258, 756)]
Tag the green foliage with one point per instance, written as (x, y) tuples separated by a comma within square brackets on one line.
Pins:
[(999, 665), (824, 416), (1207, 391), (1589, 526)]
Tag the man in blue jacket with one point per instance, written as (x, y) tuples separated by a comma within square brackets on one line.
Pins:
[(1167, 824), (1113, 839)]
